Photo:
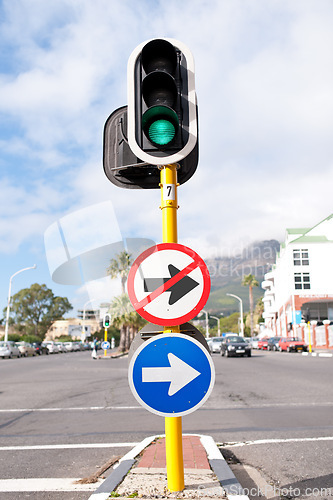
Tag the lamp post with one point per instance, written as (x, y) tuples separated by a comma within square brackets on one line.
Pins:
[(9, 296), (218, 325), (206, 314), (84, 318), (241, 311)]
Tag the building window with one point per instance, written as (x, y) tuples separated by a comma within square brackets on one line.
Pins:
[(301, 257), (302, 281)]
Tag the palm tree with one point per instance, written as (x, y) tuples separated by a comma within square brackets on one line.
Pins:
[(121, 310), (250, 281), (120, 267)]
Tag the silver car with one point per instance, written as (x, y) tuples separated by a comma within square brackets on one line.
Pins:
[(9, 349), (214, 344)]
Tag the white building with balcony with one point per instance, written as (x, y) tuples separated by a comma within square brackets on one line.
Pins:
[(301, 282)]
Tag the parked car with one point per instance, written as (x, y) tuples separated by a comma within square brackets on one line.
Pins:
[(262, 343), (9, 349), (51, 346), (254, 342), (235, 346), (26, 349), (76, 346), (68, 346), (292, 344), (214, 344), (40, 348), (61, 347), (273, 343)]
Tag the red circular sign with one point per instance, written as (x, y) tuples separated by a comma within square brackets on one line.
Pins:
[(168, 284)]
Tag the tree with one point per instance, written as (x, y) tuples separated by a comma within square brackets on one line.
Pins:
[(250, 281), (120, 267), (120, 306), (34, 309)]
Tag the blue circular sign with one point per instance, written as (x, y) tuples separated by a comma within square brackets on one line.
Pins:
[(105, 344), (171, 374)]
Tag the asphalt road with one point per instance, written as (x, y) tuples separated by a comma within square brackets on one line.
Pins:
[(63, 415)]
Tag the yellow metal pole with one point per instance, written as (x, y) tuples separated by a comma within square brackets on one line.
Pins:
[(105, 338), (309, 332), (173, 425)]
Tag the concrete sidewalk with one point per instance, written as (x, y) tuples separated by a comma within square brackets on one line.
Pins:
[(142, 473)]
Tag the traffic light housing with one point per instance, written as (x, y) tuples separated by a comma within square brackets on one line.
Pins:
[(106, 320), (162, 110)]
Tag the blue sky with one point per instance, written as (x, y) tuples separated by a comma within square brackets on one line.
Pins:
[(264, 80)]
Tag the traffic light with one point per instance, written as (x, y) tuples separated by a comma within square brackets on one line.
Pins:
[(106, 320), (126, 170), (306, 316), (162, 111)]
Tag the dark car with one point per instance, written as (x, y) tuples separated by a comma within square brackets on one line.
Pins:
[(273, 344), (235, 346), (40, 348)]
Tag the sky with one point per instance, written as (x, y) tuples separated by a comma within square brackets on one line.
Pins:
[(264, 82)]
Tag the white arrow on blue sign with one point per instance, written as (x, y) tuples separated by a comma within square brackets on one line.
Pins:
[(171, 374), (105, 344)]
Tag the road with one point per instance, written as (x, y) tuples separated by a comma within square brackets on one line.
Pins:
[(63, 415)]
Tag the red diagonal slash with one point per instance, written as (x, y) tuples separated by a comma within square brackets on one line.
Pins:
[(172, 281)]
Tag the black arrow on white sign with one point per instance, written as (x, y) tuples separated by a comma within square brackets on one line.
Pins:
[(178, 290)]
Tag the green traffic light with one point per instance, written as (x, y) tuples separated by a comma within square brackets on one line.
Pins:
[(161, 132), (160, 124)]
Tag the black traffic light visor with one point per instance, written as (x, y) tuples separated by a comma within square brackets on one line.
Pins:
[(159, 88), (159, 55)]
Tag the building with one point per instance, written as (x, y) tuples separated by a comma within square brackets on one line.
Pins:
[(73, 327), (88, 313), (300, 285), (88, 321)]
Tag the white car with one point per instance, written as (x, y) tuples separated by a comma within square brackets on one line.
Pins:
[(61, 347), (9, 349), (214, 344), (68, 346), (254, 342), (51, 346), (26, 349)]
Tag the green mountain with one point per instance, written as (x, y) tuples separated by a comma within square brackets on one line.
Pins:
[(227, 274)]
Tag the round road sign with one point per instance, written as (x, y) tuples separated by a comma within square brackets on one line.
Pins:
[(171, 374), (168, 284)]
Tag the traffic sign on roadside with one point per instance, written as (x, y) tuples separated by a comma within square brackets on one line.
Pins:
[(171, 374), (168, 284), (105, 344)]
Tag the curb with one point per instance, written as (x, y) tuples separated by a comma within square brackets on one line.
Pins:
[(319, 354), (220, 467)]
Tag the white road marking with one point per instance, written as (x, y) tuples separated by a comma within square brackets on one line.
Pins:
[(80, 408), (206, 408), (275, 441), (67, 446), (45, 484)]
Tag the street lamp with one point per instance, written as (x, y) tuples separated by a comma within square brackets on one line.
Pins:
[(241, 311), (218, 325), (207, 329), (84, 318), (9, 294)]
